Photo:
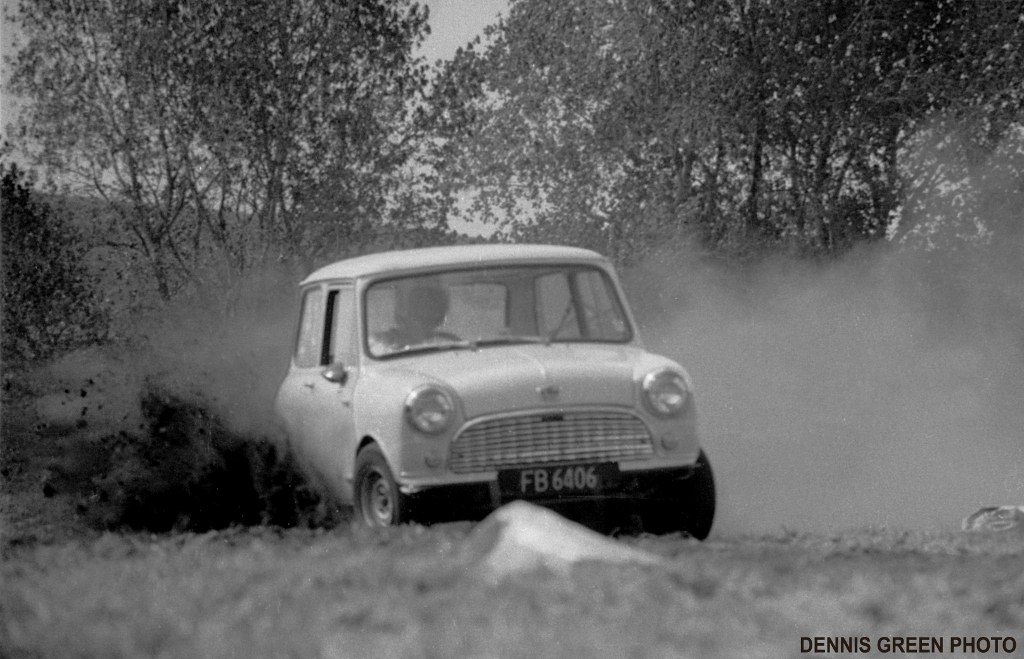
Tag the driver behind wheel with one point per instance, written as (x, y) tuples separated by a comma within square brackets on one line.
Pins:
[(417, 320)]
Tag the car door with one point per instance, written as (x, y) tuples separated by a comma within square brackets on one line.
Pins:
[(316, 398)]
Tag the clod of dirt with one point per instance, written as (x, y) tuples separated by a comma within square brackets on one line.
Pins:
[(183, 470), (995, 518), (86, 389), (522, 537)]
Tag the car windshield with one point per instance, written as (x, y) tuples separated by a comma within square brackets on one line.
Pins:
[(475, 308)]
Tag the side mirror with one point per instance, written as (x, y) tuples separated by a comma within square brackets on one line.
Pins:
[(336, 372)]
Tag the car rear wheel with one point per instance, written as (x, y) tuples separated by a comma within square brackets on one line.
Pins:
[(687, 505), (378, 502)]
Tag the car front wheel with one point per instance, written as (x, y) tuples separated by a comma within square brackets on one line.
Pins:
[(687, 505), (378, 502)]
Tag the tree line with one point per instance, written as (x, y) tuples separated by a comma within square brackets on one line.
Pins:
[(223, 135), (744, 126)]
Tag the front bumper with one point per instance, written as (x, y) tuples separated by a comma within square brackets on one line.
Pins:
[(467, 500)]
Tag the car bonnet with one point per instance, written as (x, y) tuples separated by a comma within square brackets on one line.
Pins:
[(523, 377)]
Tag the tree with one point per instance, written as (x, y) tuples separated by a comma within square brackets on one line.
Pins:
[(226, 133), (967, 149), (95, 120), (742, 125), (49, 301), (573, 120), (306, 112)]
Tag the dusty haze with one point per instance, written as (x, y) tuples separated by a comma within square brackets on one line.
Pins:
[(233, 358), (883, 390)]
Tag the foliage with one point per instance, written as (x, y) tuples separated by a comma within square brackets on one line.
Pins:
[(50, 302), (223, 135), (741, 125)]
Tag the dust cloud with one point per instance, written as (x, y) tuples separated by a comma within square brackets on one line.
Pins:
[(172, 427), (229, 358), (883, 389), (886, 389), (225, 351)]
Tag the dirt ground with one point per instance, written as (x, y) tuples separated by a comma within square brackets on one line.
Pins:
[(33, 509)]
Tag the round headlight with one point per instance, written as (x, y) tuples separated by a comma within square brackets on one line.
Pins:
[(429, 409), (665, 392)]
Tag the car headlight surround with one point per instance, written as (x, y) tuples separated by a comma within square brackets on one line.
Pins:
[(665, 391), (429, 409)]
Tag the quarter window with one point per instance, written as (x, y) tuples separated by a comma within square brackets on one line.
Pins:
[(309, 341), (339, 334)]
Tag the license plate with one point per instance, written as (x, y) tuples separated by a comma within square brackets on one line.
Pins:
[(558, 481)]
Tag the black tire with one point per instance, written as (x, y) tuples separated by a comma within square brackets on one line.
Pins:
[(377, 500), (688, 507)]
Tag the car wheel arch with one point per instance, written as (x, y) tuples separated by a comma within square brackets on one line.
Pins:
[(366, 441), (350, 469)]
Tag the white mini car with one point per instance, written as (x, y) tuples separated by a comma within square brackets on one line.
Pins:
[(443, 382)]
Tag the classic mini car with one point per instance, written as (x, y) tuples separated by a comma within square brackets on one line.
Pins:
[(444, 381)]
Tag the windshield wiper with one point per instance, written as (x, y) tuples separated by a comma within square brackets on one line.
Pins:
[(468, 344), (432, 347), (509, 340), (553, 334)]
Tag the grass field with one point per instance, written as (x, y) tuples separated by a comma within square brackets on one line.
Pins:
[(414, 592)]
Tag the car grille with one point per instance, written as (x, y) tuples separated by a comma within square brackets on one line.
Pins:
[(540, 438)]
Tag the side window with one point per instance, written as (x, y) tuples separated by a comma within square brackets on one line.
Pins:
[(340, 330), (556, 313), (311, 319)]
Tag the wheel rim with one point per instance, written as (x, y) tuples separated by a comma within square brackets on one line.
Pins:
[(377, 499)]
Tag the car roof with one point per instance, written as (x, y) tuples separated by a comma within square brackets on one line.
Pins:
[(451, 255)]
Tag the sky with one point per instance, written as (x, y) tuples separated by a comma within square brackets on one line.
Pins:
[(454, 23)]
